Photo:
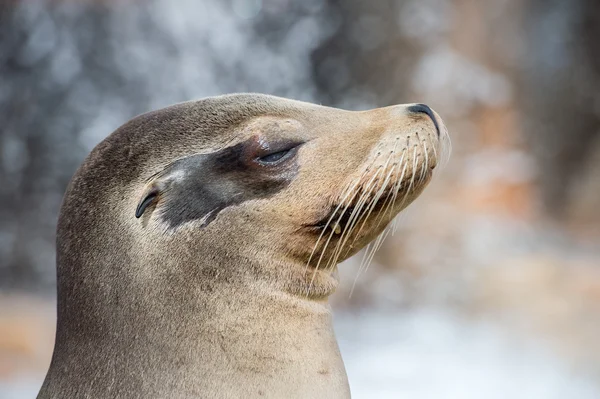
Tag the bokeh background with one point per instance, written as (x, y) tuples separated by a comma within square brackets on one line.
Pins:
[(491, 285)]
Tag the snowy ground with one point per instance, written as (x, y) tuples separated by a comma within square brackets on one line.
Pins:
[(26, 388), (433, 354), (424, 354)]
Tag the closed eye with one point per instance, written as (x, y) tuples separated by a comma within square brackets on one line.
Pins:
[(274, 157)]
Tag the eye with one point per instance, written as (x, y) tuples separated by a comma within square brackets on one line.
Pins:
[(274, 157), (272, 154)]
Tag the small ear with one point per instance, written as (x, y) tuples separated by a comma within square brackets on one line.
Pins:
[(150, 196), (158, 184)]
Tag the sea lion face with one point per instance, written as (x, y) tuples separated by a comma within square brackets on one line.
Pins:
[(286, 183), (287, 187)]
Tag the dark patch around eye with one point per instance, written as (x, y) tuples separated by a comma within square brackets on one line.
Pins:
[(215, 181)]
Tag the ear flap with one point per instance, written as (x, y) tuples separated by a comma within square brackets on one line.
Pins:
[(158, 185), (149, 197)]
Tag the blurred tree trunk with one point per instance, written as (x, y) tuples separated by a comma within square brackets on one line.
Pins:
[(48, 78), (560, 93), (367, 61)]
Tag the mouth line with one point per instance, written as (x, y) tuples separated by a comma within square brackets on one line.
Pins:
[(339, 215)]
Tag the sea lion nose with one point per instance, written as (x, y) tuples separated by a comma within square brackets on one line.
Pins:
[(425, 109)]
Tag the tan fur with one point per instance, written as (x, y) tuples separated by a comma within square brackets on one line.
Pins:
[(234, 309)]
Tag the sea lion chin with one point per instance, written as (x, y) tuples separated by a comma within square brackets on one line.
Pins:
[(197, 245)]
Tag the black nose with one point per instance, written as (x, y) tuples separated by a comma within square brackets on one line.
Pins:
[(424, 109)]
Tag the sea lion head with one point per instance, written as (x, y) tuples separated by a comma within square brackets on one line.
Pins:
[(242, 187)]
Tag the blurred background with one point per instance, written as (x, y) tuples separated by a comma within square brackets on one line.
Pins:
[(491, 285)]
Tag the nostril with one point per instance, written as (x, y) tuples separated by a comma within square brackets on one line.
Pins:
[(425, 109), (420, 108)]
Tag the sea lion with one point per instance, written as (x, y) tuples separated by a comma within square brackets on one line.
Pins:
[(197, 245)]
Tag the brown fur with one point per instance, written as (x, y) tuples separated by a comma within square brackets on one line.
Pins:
[(231, 309)]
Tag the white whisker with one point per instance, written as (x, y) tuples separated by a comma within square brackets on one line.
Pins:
[(359, 269), (378, 242), (376, 198), (353, 218), (350, 189)]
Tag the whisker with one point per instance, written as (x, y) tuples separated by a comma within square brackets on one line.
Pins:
[(369, 255), (412, 179), (377, 196), (426, 164), (359, 269), (350, 189), (379, 241), (398, 184), (357, 182), (393, 198), (435, 154), (446, 146), (354, 217), (389, 203), (419, 142)]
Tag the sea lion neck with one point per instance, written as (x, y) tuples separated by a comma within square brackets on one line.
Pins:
[(188, 340)]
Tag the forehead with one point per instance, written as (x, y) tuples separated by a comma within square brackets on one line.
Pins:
[(210, 124), (149, 142)]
